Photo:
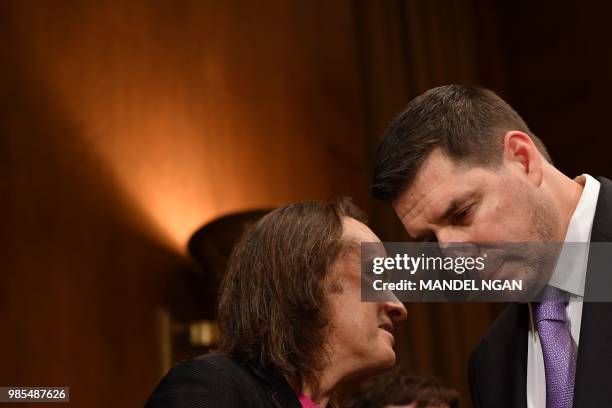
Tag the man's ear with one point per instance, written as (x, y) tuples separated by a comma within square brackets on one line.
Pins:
[(521, 154)]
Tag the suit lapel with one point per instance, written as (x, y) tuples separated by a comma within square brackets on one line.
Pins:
[(594, 362), (499, 365)]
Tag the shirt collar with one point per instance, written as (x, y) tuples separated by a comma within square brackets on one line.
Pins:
[(570, 272)]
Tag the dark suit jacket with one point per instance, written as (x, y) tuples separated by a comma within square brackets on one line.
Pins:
[(498, 366), (217, 380)]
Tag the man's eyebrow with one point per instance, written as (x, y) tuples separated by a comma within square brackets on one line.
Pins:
[(454, 205)]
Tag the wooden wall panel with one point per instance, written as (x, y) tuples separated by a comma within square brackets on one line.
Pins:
[(125, 126)]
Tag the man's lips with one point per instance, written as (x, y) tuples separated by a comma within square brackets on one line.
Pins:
[(495, 274)]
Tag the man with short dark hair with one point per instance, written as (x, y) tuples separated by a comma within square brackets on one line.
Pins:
[(399, 389), (460, 165), (292, 324)]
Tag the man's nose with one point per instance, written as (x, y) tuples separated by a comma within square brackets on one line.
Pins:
[(453, 243), (396, 311), (448, 235)]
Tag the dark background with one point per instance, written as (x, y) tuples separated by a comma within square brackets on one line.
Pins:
[(125, 126)]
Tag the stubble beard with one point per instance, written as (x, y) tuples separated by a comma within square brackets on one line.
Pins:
[(543, 255)]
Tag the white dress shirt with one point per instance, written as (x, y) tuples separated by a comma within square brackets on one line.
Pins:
[(569, 275)]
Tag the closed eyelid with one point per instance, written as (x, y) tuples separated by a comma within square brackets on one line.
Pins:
[(462, 214), (455, 206), (465, 209)]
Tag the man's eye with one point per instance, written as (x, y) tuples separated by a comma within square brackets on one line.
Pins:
[(462, 215)]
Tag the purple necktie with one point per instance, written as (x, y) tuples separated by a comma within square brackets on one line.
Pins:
[(559, 353)]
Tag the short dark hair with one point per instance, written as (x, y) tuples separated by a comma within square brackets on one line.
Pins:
[(272, 302), (398, 387), (466, 122)]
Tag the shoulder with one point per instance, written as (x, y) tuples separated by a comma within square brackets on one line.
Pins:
[(209, 380), (602, 222), (511, 325)]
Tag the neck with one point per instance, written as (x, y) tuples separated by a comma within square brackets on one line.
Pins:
[(566, 193), (328, 380), (321, 389)]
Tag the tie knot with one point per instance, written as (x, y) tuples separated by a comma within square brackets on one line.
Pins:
[(549, 310), (552, 306)]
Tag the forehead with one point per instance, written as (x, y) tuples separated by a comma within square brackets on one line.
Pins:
[(357, 232), (437, 171), (354, 233), (439, 181)]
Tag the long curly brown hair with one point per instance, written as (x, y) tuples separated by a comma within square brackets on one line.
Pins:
[(272, 300)]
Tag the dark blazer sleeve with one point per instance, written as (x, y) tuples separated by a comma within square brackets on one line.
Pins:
[(497, 368), (197, 384)]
